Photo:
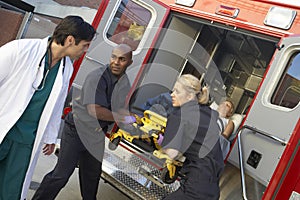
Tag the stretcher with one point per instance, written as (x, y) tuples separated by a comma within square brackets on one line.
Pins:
[(145, 133)]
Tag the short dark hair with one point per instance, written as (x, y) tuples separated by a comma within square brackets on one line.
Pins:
[(75, 26)]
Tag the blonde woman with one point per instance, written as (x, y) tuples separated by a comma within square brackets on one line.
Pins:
[(192, 130)]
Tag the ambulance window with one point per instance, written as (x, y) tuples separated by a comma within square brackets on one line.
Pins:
[(129, 24), (287, 93)]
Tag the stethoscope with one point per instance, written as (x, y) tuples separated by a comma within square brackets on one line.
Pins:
[(41, 87)]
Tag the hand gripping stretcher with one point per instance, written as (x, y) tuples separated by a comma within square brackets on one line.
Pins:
[(145, 133)]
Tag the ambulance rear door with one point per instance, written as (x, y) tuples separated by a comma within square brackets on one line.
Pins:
[(269, 127), (134, 22)]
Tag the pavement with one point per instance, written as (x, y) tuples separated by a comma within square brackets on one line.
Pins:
[(71, 191)]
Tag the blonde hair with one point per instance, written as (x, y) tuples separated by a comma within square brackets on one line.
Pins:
[(193, 85)]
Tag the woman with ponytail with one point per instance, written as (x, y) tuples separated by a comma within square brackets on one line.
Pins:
[(192, 130)]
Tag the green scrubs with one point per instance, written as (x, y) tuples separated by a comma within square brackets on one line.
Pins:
[(16, 148)]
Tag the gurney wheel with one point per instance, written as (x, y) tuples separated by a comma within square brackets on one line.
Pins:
[(112, 145), (165, 177)]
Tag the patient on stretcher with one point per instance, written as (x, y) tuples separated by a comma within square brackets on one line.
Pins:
[(159, 107), (228, 121), (226, 125)]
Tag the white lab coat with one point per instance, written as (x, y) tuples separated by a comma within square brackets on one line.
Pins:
[(19, 62)]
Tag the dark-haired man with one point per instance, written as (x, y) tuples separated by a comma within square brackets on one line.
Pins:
[(34, 79), (102, 96)]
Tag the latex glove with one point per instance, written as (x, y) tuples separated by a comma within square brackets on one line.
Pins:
[(129, 119), (160, 139)]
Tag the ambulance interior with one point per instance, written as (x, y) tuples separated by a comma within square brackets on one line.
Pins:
[(232, 61)]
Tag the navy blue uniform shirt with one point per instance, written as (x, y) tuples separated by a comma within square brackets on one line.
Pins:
[(98, 88), (193, 131)]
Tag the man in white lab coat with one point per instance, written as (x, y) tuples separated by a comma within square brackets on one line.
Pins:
[(34, 79)]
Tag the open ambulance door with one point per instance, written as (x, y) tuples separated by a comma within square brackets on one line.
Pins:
[(268, 142), (134, 22)]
